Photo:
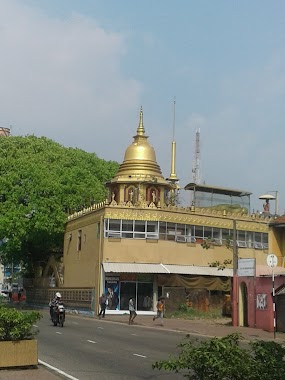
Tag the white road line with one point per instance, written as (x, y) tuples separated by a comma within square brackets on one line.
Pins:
[(141, 356), (35, 326), (57, 332), (58, 370), (75, 323), (91, 341), (134, 334), (102, 328)]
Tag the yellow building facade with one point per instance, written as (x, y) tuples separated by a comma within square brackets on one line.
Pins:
[(138, 243)]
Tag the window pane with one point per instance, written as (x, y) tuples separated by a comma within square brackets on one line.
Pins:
[(145, 292), (208, 232), (216, 233), (152, 226), (199, 232), (241, 235), (115, 224), (180, 229), (127, 225), (127, 290), (139, 225)]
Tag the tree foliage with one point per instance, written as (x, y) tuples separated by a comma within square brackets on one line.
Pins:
[(40, 183), (224, 359), (17, 325)]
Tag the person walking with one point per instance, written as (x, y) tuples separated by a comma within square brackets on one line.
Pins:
[(132, 311), (102, 302), (160, 307)]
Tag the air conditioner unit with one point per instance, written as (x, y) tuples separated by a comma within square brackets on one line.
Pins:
[(241, 244), (152, 235), (258, 245), (181, 239), (114, 234)]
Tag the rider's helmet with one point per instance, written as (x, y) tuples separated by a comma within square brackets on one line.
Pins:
[(58, 295)]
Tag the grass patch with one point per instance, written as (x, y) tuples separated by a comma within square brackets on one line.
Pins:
[(185, 312)]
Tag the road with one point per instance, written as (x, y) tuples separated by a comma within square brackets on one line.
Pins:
[(91, 349)]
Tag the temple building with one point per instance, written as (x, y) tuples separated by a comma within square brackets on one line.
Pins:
[(139, 243)]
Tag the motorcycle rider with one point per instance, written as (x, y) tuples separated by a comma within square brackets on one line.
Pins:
[(54, 302)]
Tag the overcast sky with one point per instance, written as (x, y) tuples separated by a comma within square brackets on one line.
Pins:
[(78, 71)]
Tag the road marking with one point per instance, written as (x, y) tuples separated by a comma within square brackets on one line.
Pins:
[(75, 323), (102, 328), (134, 334), (91, 341), (57, 332), (36, 326), (141, 356), (58, 370)]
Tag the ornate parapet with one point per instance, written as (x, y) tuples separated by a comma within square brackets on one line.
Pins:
[(191, 215)]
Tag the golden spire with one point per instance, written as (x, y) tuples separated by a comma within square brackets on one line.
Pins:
[(140, 130), (173, 178)]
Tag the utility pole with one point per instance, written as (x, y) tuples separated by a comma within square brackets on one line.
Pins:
[(235, 277)]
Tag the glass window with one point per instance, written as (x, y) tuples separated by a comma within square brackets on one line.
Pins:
[(199, 232), (162, 230), (265, 238), (217, 233), (208, 232), (139, 226), (144, 296), (257, 237), (249, 238), (115, 225), (152, 226), (241, 235), (171, 227), (127, 225), (226, 234), (180, 229), (127, 290)]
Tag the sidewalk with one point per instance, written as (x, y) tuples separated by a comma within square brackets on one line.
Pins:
[(210, 328)]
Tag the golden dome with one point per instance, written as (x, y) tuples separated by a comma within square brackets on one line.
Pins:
[(139, 160)]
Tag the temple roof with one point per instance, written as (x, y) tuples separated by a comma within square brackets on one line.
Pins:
[(140, 160)]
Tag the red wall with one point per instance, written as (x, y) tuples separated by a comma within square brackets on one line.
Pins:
[(260, 318)]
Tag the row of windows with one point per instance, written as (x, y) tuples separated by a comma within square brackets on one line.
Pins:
[(141, 229)]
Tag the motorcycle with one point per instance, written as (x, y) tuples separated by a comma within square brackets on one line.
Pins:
[(58, 315)]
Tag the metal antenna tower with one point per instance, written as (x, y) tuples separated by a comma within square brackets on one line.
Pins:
[(196, 178)]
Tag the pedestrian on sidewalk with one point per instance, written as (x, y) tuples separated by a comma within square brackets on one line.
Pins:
[(132, 311), (102, 302), (160, 307)]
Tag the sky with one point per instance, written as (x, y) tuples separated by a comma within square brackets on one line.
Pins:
[(78, 71)]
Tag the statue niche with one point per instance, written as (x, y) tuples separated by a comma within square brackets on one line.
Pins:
[(152, 195)]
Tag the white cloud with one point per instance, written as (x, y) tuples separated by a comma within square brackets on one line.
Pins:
[(61, 78)]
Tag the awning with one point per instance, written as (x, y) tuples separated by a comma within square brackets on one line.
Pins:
[(165, 269)]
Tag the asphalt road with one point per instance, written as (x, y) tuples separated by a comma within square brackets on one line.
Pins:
[(91, 349)]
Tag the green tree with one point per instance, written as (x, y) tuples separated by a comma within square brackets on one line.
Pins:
[(40, 183), (224, 359)]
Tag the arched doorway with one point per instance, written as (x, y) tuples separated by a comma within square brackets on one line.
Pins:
[(243, 305)]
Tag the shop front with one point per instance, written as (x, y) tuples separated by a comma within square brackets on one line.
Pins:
[(120, 287)]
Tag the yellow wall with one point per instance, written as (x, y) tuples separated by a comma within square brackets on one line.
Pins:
[(170, 252), (277, 242), (81, 268)]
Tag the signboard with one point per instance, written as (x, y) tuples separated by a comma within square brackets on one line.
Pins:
[(272, 260), (246, 267), (261, 301)]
